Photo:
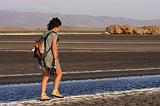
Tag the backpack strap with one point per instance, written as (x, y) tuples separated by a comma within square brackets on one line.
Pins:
[(45, 38)]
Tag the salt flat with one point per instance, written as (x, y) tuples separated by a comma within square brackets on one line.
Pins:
[(143, 97)]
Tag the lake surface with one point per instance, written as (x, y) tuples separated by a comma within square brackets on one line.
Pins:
[(18, 92)]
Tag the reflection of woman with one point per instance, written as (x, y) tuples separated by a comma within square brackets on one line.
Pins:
[(51, 60)]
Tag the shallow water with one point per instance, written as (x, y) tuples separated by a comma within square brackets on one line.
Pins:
[(18, 92)]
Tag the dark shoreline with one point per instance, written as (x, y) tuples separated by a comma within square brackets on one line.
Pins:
[(79, 76), (91, 61)]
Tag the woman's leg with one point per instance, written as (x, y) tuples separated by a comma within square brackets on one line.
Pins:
[(45, 78), (57, 81), (58, 77)]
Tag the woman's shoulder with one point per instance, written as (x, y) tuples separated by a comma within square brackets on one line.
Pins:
[(54, 35)]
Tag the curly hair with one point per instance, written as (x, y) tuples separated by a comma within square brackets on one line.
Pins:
[(55, 22)]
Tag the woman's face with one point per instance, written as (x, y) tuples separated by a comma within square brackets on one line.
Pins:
[(56, 29)]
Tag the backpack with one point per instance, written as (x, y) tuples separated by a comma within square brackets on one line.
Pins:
[(40, 49)]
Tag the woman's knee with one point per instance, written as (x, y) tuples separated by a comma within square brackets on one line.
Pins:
[(59, 72)]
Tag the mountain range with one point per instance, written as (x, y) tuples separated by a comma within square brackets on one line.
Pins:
[(36, 19)]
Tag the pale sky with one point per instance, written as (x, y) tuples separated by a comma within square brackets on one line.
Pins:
[(135, 9)]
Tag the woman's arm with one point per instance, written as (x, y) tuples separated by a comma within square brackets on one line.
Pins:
[(54, 49)]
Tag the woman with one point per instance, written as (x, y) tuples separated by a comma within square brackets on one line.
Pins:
[(51, 60)]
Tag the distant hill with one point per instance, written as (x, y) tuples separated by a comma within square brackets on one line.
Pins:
[(35, 19)]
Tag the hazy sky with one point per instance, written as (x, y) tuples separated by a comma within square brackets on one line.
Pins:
[(136, 9)]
